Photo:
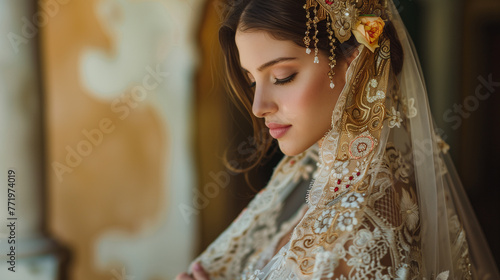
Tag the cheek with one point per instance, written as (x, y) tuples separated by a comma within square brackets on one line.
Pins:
[(311, 98), (317, 97), (310, 108)]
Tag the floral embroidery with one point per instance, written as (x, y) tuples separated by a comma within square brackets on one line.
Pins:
[(361, 146), (352, 200), (402, 169), (409, 210), (398, 164), (347, 221), (339, 251), (358, 257), (363, 238), (324, 264), (395, 118), (402, 272), (357, 170), (443, 146), (340, 169), (324, 221), (379, 95)]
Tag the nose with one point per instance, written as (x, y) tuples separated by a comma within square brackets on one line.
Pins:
[(264, 103)]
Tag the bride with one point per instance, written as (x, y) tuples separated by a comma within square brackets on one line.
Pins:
[(366, 189)]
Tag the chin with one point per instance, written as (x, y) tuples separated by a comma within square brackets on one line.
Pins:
[(291, 149)]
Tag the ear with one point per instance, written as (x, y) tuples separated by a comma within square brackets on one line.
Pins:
[(353, 55)]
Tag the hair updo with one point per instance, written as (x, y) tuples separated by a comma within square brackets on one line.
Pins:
[(283, 20)]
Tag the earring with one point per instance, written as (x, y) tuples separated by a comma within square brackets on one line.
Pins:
[(332, 61), (315, 36), (307, 40)]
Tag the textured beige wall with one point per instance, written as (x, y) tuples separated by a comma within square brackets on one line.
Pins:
[(118, 185)]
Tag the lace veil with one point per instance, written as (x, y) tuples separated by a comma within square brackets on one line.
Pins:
[(384, 201)]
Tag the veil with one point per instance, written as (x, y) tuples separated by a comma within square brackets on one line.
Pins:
[(443, 202), (383, 198)]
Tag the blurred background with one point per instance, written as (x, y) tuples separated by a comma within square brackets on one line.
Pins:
[(114, 121)]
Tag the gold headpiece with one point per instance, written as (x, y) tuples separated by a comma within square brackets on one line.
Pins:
[(363, 18)]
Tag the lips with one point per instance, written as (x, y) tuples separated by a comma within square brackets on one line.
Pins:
[(278, 130)]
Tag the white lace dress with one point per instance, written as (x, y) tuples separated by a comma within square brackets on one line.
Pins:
[(376, 237)]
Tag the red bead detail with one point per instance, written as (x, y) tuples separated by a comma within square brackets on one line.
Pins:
[(359, 173), (329, 2), (339, 181), (347, 186), (292, 162), (350, 178), (336, 189)]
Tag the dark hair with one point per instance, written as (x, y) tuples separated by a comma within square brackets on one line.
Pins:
[(283, 20)]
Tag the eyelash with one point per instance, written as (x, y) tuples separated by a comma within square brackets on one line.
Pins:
[(280, 82), (285, 80)]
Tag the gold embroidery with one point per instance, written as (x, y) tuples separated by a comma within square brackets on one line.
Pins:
[(359, 133)]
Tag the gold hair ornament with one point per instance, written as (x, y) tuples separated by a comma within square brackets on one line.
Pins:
[(363, 18)]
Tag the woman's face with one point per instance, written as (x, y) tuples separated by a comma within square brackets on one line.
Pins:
[(292, 93)]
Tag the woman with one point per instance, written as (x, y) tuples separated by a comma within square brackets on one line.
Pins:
[(366, 189)]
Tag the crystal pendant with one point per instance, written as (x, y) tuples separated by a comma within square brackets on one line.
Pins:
[(316, 59), (308, 50), (332, 85)]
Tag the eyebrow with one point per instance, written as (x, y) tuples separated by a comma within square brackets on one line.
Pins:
[(271, 63)]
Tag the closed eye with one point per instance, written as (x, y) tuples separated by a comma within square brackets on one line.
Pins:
[(285, 80)]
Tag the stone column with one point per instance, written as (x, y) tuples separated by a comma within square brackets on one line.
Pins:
[(25, 252)]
